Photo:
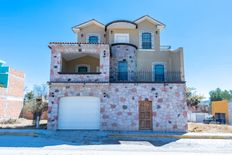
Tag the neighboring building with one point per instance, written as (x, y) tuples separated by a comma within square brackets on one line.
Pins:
[(222, 111), (11, 92), (117, 77), (200, 112)]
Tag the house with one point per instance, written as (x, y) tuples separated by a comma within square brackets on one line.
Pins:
[(200, 112), (117, 77), (222, 111), (11, 92)]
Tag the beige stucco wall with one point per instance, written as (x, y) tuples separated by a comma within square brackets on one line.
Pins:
[(91, 29), (173, 60), (134, 37), (148, 26), (69, 66), (145, 58)]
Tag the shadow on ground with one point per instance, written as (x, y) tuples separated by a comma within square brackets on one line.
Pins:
[(77, 138)]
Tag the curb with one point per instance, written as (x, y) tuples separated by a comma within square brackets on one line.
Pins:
[(169, 136), (32, 134)]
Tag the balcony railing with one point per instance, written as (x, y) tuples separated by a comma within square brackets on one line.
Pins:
[(86, 73), (145, 76)]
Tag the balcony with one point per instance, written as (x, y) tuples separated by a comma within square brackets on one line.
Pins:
[(77, 62), (145, 77)]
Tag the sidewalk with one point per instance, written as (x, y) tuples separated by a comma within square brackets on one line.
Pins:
[(116, 134), (190, 135)]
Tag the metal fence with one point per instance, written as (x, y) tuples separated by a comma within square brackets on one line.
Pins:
[(145, 76)]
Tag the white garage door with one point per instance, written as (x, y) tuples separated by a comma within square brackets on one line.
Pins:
[(79, 113)]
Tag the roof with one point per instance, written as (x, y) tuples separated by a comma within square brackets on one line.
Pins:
[(72, 43), (159, 24), (92, 21), (152, 20), (121, 21)]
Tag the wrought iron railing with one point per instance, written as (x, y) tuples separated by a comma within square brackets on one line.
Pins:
[(165, 47), (145, 76)]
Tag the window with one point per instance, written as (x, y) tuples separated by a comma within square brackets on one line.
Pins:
[(158, 71), (121, 38), (146, 40), (93, 39), (82, 68)]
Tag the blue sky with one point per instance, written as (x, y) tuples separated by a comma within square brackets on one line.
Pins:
[(202, 27)]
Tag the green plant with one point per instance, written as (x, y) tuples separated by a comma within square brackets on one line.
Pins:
[(192, 97), (218, 94)]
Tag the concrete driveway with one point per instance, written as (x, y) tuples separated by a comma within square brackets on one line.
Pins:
[(95, 142)]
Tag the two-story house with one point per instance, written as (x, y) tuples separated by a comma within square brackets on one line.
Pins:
[(117, 77)]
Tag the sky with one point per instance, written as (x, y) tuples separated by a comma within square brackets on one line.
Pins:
[(202, 27)]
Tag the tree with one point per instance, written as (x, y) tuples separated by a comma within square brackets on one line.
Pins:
[(41, 90), (35, 101), (218, 94), (29, 96), (192, 98)]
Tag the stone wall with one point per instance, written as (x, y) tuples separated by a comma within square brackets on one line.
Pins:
[(123, 53), (119, 104), (56, 62)]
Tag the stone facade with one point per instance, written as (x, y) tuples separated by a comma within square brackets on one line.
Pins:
[(119, 104), (11, 98), (56, 62), (125, 53)]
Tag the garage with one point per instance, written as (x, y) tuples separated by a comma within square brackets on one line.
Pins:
[(78, 113)]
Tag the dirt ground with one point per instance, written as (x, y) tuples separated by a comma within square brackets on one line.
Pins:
[(192, 127), (209, 128), (21, 123)]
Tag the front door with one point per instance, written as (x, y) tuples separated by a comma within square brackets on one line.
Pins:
[(145, 115), (122, 71)]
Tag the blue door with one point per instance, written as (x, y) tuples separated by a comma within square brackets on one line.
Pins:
[(159, 72), (122, 70)]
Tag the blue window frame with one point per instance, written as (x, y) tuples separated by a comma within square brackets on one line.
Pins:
[(146, 40), (122, 70), (93, 39), (159, 72)]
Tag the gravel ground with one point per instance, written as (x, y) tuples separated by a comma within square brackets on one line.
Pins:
[(209, 128), (20, 123)]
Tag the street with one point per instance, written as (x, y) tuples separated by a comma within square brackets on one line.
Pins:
[(59, 144)]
